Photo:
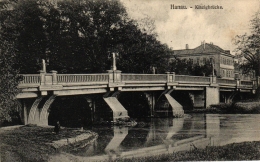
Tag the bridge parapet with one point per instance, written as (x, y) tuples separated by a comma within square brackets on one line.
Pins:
[(30, 79), (187, 78), (66, 79), (246, 83), (226, 81), (236, 83), (114, 78), (158, 78)]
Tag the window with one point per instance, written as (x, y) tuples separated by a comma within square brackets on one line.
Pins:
[(223, 73), (204, 60)]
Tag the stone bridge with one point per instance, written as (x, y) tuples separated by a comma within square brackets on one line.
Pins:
[(204, 91)]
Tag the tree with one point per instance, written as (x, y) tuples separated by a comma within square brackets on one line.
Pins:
[(248, 46), (9, 79), (9, 73), (79, 36)]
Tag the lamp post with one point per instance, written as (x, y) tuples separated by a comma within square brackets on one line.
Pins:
[(43, 64), (114, 61), (114, 55)]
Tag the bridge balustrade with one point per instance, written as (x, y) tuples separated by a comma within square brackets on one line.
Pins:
[(187, 78), (81, 78), (226, 81), (246, 83), (144, 78), (105, 78), (30, 79)]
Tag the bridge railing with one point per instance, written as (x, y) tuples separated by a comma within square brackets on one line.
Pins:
[(144, 78), (226, 81), (117, 76), (82, 78), (32, 79), (197, 79), (246, 83)]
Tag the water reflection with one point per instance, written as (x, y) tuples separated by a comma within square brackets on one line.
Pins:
[(171, 135)]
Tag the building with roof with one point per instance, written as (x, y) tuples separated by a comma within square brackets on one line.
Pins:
[(222, 60)]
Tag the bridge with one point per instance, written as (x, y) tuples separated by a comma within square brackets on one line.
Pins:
[(203, 91)]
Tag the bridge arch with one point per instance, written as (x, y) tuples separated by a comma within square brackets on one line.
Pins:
[(184, 98), (230, 97), (45, 113), (33, 116), (135, 103), (71, 111)]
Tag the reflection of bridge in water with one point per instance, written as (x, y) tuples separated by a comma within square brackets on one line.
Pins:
[(163, 136)]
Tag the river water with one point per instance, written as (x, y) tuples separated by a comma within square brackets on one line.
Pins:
[(167, 135)]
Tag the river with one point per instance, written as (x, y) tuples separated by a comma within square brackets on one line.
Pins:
[(167, 135)]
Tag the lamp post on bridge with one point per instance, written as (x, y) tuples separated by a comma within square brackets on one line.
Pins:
[(114, 55), (114, 74), (43, 64)]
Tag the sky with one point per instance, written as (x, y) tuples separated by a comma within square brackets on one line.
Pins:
[(178, 27)]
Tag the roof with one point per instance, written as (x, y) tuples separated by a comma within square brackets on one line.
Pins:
[(209, 49)]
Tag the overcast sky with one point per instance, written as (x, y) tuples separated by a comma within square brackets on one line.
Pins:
[(192, 26)]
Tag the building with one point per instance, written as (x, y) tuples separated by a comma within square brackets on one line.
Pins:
[(222, 59)]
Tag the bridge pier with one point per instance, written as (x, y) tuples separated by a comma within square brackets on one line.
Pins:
[(212, 96), (177, 109), (119, 112)]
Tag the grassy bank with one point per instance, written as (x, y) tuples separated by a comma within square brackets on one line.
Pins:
[(238, 151), (30, 143), (242, 107)]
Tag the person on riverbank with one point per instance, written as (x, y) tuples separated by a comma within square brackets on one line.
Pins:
[(57, 127)]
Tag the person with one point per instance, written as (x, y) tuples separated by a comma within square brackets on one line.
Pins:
[(57, 127)]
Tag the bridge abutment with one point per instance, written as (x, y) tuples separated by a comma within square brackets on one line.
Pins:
[(34, 113), (44, 111)]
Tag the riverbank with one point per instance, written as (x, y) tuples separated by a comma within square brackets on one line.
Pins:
[(34, 143), (31, 143), (242, 107), (236, 151)]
